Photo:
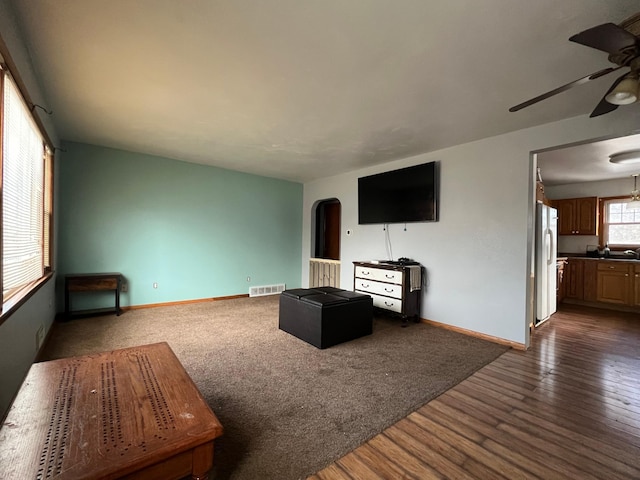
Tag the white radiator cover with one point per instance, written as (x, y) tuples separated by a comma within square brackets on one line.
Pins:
[(324, 273), (266, 290)]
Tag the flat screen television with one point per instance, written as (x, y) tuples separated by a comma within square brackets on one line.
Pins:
[(400, 196)]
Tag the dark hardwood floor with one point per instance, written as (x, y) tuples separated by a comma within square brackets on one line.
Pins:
[(569, 407)]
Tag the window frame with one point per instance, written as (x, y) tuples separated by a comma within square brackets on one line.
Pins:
[(602, 236), (21, 296)]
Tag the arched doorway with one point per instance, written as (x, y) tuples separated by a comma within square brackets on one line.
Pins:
[(324, 267), (328, 229)]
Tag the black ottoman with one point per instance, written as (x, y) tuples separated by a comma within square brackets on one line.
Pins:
[(325, 319), (327, 289)]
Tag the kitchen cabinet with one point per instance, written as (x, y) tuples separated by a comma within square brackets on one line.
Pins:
[(600, 282), (574, 278), (615, 282), (590, 280), (636, 286), (560, 286), (580, 279), (577, 216)]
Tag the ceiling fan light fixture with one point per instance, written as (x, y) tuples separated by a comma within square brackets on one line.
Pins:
[(625, 93), (634, 203), (625, 157)]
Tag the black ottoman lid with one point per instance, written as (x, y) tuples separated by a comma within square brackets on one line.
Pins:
[(328, 289), (352, 296), (300, 292), (323, 299)]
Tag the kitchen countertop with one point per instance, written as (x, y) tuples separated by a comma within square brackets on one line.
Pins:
[(615, 258)]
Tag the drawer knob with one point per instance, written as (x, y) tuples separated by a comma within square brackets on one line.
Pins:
[(388, 304), (389, 290), (365, 285)]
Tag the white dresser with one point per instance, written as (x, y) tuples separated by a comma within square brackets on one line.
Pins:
[(391, 286)]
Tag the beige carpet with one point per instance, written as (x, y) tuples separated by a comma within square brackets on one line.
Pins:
[(288, 409)]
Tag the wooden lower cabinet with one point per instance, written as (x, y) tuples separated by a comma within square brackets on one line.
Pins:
[(603, 281), (614, 283), (590, 279), (561, 288), (580, 279), (636, 286), (574, 279)]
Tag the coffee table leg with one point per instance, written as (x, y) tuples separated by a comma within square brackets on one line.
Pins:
[(202, 461)]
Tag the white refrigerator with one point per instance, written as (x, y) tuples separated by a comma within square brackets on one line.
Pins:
[(546, 256)]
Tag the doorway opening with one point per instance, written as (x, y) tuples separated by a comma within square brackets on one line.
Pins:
[(328, 229), (324, 267)]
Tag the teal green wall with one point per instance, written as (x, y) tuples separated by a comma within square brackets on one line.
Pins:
[(197, 231)]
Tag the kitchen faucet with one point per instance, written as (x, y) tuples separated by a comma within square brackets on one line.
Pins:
[(635, 252)]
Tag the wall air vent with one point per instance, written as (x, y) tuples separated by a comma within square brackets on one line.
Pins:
[(266, 290)]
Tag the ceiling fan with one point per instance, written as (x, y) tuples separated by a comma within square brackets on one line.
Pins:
[(622, 43)]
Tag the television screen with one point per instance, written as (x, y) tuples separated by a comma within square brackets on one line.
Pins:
[(399, 196)]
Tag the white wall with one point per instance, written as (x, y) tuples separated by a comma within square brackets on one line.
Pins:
[(605, 188), (478, 256), (18, 332)]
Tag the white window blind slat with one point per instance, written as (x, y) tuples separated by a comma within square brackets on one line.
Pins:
[(22, 194)]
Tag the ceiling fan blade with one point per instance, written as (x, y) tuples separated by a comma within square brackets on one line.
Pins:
[(563, 88), (604, 106), (607, 37)]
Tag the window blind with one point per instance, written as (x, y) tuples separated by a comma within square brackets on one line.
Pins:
[(22, 194)]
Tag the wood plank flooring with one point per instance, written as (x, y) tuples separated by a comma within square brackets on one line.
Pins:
[(569, 407)]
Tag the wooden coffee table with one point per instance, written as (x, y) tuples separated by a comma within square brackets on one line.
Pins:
[(133, 413)]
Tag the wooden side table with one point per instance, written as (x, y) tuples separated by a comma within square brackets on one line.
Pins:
[(92, 282), (133, 413)]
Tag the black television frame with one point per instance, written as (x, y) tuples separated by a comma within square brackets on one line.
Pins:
[(405, 195)]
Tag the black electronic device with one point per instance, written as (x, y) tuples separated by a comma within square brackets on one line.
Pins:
[(402, 261), (407, 261), (400, 196)]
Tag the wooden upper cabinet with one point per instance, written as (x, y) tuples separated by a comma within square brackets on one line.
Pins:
[(577, 216), (566, 217), (587, 220)]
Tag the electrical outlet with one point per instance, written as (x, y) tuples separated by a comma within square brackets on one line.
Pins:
[(155, 285), (124, 288), (248, 279)]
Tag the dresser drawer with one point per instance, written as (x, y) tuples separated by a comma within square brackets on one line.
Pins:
[(381, 288), (614, 266), (392, 304), (379, 274), (89, 284)]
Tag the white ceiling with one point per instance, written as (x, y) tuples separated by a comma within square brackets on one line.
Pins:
[(588, 162), (306, 89)]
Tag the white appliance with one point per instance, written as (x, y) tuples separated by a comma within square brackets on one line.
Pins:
[(546, 261)]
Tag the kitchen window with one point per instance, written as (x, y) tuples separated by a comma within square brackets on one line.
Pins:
[(621, 226), (26, 162)]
